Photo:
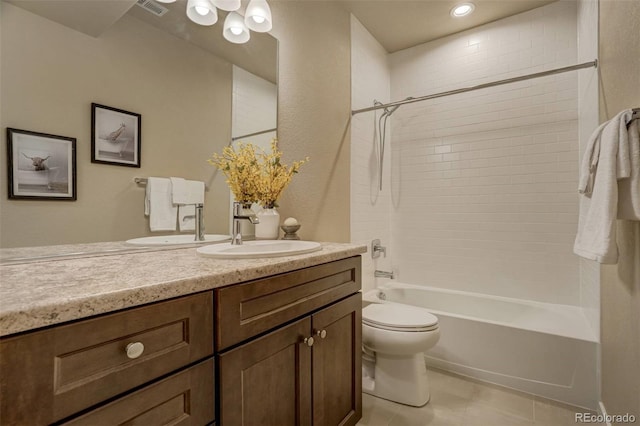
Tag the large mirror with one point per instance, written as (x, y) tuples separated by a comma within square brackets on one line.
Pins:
[(195, 92)]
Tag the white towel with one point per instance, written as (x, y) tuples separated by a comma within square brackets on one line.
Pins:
[(196, 192), (186, 194), (159, 206), (179, 190), (187, 191), (187, 217), (629, 189), (605, 161)]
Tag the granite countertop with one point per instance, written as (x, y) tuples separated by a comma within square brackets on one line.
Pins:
[(39, 294)]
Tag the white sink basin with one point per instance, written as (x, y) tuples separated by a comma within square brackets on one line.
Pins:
[(259, 248), (169, 240)]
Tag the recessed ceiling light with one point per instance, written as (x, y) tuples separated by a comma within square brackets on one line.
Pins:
[(462, 9)]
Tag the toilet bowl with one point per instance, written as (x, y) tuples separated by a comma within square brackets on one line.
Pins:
[(394, 339)]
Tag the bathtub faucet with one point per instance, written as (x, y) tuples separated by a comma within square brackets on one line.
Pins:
[(383, 274), (238, 215), (377, 248)]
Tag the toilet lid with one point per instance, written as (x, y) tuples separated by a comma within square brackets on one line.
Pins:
[(391, 316)]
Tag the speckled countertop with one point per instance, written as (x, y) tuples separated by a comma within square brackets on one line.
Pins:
[(38, 294)]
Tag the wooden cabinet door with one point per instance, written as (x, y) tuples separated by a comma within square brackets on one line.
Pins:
[(337, 363), (267, 382)]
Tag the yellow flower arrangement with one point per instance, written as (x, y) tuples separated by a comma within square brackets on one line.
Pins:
[(241, 168), (256, 177)]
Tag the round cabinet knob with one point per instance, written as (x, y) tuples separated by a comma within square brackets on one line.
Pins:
[(321, 333), (134, 350), (308, 341)]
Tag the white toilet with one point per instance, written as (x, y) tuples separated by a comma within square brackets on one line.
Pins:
[(394, 339)]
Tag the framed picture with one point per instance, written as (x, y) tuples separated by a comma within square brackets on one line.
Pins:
[(41, 166), (115, 136)]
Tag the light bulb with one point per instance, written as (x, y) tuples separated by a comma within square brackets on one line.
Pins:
[(258, 16), (235, 30), (202, 11), (462, 10)]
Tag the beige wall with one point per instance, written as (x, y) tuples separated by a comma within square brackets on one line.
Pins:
[(620, 292), (51, 74), (314, 103)]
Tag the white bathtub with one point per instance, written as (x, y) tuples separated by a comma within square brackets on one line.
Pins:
[(37, 177), (539, 348)]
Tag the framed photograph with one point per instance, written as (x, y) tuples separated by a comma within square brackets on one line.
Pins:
[(115, 136), (41, 166)]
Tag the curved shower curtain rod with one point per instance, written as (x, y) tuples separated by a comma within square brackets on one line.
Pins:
[(592, 64)]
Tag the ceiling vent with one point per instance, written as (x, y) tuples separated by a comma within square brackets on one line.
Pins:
[(152, 7)]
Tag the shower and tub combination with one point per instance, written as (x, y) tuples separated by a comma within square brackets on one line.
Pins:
[(543, 348)]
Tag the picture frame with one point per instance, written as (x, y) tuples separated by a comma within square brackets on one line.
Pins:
[(115, 136), (41, 166)]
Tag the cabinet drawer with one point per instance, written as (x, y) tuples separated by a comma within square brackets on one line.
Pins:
[(185, 398), (52, 374), (245, 310)]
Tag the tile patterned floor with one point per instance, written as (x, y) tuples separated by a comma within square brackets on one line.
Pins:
[(456, 401)]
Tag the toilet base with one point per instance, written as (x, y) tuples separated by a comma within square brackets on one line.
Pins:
[(398, 378)]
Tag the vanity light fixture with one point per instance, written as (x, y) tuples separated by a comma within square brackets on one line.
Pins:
[(236, 27), (202, 12), (462, 9), (258, 16), (228, 5), (235, 30)]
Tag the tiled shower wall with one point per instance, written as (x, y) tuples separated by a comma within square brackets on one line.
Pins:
[(587, 18), (484, 183), (370, 207)]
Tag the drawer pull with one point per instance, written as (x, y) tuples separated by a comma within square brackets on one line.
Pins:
[(134, 350), (321, 333), (308, 341)]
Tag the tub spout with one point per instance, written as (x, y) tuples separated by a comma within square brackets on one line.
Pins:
[(383, 274)]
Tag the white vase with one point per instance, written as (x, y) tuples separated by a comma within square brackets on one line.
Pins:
[(269, 226)]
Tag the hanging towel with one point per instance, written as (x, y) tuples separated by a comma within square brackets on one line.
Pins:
[(186, 194), (187, 217), (606, 161), (179, 190), (187, 191), (196, 192), (629, 189), (159, 206)]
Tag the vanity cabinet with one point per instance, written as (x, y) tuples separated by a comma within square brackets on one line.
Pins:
[(52, 374), (305, 371), (287, 351)]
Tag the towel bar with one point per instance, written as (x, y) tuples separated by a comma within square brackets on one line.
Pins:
[(143, 181)]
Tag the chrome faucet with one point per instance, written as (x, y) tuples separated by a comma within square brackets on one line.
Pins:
[(199, 218), (383, 274), (238, 215), (199, 222), (376, 249)]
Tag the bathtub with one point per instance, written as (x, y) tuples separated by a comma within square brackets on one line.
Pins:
[(36, 177), (111, 147), (539, 348)]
